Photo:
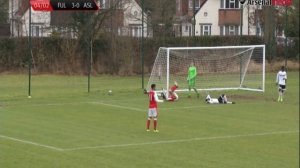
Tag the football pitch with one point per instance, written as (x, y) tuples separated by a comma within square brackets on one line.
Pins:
[(64, 126)]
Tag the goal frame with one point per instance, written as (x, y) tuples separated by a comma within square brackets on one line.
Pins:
[(212, 47)]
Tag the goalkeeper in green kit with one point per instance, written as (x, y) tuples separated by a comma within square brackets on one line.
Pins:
[(192, 73)]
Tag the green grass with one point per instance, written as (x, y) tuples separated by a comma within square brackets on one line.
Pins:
[(256, 132)]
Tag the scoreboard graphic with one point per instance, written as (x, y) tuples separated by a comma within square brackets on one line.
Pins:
[(64, 5)]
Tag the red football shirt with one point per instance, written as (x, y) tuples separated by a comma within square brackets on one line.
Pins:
[(152, 101), (173, 88)]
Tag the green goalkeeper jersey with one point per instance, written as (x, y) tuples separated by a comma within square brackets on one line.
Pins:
[(192, 75), (192, 72)]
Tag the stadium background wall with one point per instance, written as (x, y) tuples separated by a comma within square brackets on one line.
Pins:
[(118, 56)]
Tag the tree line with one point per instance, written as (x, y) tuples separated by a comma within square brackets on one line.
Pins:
[(113, 54)]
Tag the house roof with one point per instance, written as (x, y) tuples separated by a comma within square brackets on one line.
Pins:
[(24, 6), (58, 18), (201, 5), (187, 16)]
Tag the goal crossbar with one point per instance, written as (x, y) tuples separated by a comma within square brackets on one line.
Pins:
[(216, 47), (219, 67)]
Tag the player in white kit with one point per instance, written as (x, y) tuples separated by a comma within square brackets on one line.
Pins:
[(281, 79), (221, 100)]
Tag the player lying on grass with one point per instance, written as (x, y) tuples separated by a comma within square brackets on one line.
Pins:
[(172, 94), (221, 100)]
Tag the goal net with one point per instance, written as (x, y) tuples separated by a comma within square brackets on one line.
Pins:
[(218, 68)]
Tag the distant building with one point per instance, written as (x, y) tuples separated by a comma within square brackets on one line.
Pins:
[(126, 20), (19, 20), (183, 19), (216, 18)]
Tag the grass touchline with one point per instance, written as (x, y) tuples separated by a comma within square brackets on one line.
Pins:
[(148, 143)]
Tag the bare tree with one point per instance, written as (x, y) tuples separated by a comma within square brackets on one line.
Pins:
[(92, 25), (3, 11), (269, 30), (162, 12)]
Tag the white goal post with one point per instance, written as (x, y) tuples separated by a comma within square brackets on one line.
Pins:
[(218, 68)]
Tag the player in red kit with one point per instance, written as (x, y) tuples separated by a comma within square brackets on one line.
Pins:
[(152, 112), (172, 94)]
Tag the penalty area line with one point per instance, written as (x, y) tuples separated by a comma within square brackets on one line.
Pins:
[(31, 143), (118, 106), (187, 107), (180, 140), (67, 103), (145, 110)]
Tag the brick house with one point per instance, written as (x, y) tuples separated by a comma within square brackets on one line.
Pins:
[(127, 20), (183, 18), (217, 17)]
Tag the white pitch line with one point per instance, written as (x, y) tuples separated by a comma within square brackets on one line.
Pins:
[(45, 104), (187, 107), (118, 106), (106, 103), (180, 140), (68, 103), (144, 143), (143, 110), (31, 143)]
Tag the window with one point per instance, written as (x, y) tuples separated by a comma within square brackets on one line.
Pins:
[(258, 31), (229, 30), (221, 30), (186, 28), (36, 30), (205, 30), (230, 4), (197, 4), (119, 31), (136, 30), (232, 30)]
